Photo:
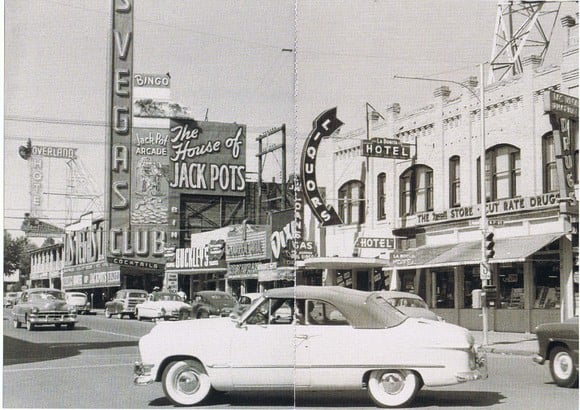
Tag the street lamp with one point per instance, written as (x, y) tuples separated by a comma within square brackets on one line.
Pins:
[(484, 268)]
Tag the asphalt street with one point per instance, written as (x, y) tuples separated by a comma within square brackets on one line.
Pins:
[(91, 367)]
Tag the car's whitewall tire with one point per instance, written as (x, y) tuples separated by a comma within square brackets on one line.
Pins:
[(562, 367), (393, 388), (186, 382)]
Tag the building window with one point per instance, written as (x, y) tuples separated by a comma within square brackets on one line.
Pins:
[(351, 202), (511, 286), (550, 175), (381, 181), (547, 282), (471, 282), (502, 173), (444, 289), (416, 190), (454, 182)]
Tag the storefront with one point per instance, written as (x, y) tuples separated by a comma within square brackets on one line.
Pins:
[(247, 248), (202, 266), (533, 275)]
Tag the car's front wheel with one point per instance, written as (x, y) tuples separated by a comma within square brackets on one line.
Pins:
[(393, 388), (186, 382), (29, 325), (562, 367), (107, 314)]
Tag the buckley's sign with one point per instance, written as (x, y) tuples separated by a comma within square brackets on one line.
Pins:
[(323, 126)]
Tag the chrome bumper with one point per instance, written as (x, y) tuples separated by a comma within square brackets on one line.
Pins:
[(480, 371), (538, 359), (143, 374)]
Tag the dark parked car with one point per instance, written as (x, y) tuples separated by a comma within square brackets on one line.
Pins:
[(212, 303), (558, 343), (124, 302), (43, 306)]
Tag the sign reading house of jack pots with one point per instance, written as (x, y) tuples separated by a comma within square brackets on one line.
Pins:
[(138, 246), (323, 126), (205, 159)]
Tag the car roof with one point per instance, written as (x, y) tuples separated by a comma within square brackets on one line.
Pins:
[(400, 294), (360, 308), (38, 290)]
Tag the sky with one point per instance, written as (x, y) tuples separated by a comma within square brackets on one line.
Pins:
[(257, 63)]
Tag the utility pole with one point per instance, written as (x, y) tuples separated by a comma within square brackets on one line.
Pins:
[(484, 268), (262, 153)]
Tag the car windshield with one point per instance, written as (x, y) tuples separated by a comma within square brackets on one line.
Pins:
[(40, 296), (167, 296), (76, 295), (137, 295), (408, 302), (220, 297)]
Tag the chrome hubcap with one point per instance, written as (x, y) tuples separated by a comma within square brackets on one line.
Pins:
[(392, 383), (188, 382), (563, 365)]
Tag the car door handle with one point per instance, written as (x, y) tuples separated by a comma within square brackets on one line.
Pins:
[(302, 337)]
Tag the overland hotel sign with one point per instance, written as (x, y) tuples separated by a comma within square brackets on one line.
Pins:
[(128, 245)]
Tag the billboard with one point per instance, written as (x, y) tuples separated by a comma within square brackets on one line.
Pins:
[(207, 158)]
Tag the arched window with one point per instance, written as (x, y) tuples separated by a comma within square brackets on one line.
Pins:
[(381, 198), (454, 182), (502, 173), (416, 190), (351, 202), (549, 173)]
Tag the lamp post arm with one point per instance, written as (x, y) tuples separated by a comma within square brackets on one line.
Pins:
[(435, 80)]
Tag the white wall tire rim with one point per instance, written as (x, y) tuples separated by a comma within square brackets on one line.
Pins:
[(186, 383), (563, 366), (392, 388)]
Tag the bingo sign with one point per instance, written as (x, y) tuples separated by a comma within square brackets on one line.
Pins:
[(207, 158)]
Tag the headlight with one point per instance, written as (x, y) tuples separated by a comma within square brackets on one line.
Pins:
[(34, 310)]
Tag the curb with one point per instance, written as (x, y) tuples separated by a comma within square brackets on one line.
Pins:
[(501, 351)]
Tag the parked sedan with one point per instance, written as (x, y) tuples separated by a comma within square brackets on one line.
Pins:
[(43, 306), (410, 304), (163, 305), (124, 302), (10, 298), (558, 343), (341, 339), (79, 301), (212, 303)]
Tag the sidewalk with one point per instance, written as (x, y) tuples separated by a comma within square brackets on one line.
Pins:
[(522, 344)]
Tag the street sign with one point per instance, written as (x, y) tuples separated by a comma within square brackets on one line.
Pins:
[(494, 222), (485, 273)]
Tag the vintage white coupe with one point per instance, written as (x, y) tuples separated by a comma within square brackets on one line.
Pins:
[(163, 305), (336, 339)]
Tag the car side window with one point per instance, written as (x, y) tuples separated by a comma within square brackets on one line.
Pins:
[(273, 312), (323, 313)]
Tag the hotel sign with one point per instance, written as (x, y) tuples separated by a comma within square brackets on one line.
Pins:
[(382, 148), (374, 243)]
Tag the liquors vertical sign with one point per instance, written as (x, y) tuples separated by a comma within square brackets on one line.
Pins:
[(138, 247)]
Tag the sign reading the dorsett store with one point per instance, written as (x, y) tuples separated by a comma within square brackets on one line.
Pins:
[(504, 206)]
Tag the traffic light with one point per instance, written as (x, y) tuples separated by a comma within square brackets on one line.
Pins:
[(489, 245)]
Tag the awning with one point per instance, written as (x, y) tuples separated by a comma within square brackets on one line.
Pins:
[(515, 249), (344, 262)]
